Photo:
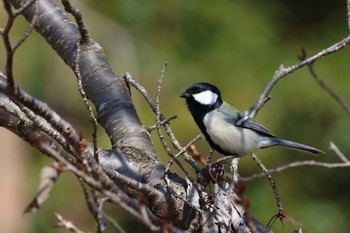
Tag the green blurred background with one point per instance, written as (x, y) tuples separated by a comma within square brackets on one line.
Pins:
[(236, 45)]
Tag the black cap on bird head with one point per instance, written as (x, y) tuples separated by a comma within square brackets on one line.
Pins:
[(203, 95)]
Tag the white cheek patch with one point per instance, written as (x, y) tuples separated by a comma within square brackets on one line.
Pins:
[(206, 97)]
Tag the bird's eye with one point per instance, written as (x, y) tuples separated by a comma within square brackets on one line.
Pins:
[(196, 90)]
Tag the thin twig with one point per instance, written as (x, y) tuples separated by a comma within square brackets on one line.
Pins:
[(66, 224), (161, 136), (98, 185), (340, 154), (84, 32), (85, 99), (158, 121), (43, 110), (14, 92), (188, 144), (317, 78), (181, 152), (12, 14), (144, 188), (114, 223), (101, 223), (308, 163), (163, 122), (169, 131), (282, 72), (329, 90), (104, 215), (23, 8), (143, 210), (7, 43), (30, 26), (42, 124), (158, 113), (348, 12), (272, 182)]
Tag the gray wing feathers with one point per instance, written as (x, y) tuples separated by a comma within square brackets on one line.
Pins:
[(251, 124), (236, 118)]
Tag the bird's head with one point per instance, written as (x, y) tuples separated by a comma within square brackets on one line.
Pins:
[(202, 96)]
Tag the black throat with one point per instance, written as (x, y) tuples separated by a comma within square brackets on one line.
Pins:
[(198, 113)]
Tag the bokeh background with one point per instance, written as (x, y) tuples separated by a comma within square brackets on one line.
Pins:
[(236, 45)]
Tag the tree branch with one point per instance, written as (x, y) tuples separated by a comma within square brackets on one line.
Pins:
[(108, 93), (283, 72)]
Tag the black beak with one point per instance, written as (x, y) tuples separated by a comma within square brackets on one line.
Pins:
[(184, 95)]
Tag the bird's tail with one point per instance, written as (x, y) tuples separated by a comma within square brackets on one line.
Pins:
[(289, 144)]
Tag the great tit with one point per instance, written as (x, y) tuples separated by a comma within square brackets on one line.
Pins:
[(227, 130)]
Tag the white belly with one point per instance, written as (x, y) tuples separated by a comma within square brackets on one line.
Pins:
[(232, 139)]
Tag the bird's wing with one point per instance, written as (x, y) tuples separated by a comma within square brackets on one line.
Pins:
[(249, 123), (233, 116)]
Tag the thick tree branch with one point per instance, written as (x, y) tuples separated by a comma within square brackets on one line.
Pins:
[(108, 93), (13, 119)]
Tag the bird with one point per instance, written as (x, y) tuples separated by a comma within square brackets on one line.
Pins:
[(226, 129)]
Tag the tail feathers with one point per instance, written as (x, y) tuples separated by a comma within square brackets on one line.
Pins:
[(289, 144)]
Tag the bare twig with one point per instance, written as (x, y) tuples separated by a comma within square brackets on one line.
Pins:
[(92, 205), (19, 96), (128, 78), (7, 43), (23, 8), (15, 119), (158, 113), (340, 154), (114, 223), (12, 14), (30, 26), (329, 90), (282, 72), (188, 144), (144, 188), (181, 152), (169, 131), (158, 121), (66, 224), (85, 36), (111, 220), (308, 163), (85, 99), (42, 109), (48, 177), (163, 122), (348, 12), (272, 182), (42, 124), (164, 143), (99, 185), (143, 210)]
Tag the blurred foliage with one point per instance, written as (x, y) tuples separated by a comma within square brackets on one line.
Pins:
[(237, 45)]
